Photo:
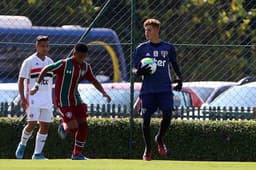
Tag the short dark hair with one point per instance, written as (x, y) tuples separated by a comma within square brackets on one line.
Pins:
[(81, 47), (42, 38)]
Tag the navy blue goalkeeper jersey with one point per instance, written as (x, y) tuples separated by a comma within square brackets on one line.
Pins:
[(163, 53)]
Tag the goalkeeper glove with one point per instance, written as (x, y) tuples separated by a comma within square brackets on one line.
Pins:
[(178, 87), (145, 70)]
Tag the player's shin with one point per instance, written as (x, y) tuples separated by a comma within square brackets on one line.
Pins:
[(23, 142), (80, 137), (146, 134), (25, 137), (40, 142), (164, 125)]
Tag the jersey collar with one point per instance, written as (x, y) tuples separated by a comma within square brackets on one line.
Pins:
[(38, 58), (155, 44)]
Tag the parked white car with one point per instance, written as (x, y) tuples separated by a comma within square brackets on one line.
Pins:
[(238, 101), (8, 92), (237, 96), (209, 90)]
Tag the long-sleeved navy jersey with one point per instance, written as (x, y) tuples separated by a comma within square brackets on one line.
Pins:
[(163, 53)]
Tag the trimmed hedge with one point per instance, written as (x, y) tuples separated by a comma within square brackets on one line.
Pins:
[(109, 138)]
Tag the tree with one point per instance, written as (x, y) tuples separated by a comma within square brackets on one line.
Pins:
[(51, 13), (200, 29)]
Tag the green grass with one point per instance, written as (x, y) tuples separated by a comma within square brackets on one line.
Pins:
[(104, 164)]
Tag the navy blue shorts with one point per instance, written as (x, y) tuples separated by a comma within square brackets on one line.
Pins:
[(151, 102)]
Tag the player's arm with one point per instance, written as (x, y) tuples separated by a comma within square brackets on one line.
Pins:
[(23, 101), (99, 87), (178, 80), (91, 78), (137, 69), (49, 68), (24, 74), (176, 69)]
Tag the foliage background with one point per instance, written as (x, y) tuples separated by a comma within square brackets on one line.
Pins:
[(215, 40)]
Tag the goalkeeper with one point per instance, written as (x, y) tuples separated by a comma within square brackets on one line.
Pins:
[(156, 91)]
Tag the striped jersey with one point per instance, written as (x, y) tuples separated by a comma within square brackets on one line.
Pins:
[(30, 70), (68, 74)]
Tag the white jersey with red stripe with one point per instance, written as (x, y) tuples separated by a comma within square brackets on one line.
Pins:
[(30, 70)]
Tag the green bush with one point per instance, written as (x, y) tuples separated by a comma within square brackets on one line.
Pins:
[(109, 138)]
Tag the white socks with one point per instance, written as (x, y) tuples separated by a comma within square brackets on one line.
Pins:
[(40, 141), (25, 137)]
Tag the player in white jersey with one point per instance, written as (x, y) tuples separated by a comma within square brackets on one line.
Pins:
[(38, 107)]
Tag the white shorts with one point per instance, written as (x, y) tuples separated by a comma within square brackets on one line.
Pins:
[(39, 114)]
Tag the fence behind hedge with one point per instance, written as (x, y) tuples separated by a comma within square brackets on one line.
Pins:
[(182, 113)]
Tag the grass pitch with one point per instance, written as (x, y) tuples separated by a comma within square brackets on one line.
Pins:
[(110, 164)]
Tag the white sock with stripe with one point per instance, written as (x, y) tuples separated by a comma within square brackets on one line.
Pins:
[(25, 137), (40, 141)]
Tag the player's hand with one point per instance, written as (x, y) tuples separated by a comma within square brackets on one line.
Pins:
[(23, 103), (178, 87), (145, 70), (33, 91), (107, 97)]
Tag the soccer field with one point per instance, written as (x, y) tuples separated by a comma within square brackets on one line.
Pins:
[(104, 164)]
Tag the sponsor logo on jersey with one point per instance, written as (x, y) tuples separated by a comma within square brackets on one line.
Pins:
[(44, 82), (155, 53), (164, 53), (160, 63)]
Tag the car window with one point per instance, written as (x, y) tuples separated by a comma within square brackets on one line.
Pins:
[(236, 97), (216, 93), (187, 99), (203, 92), (181, 99)]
